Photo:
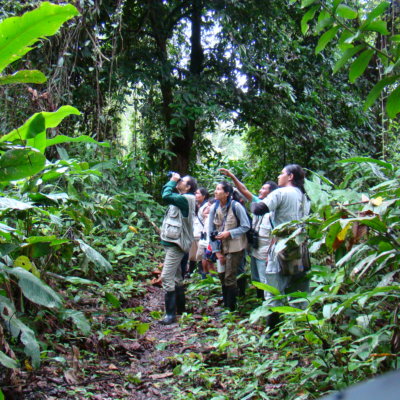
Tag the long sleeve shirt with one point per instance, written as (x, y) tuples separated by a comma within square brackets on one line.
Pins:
[(172, 198)]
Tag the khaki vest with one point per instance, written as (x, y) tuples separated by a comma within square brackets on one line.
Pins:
[(179, 229), (229, 245)]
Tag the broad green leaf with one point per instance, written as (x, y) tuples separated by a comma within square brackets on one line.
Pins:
[(35, 126), (142, 328), (259, 312), (66, 139), (343, 43), (346, 56), (286, 309), (376, 26), (38, 142), (346, 12), (29, 76), (395, 38), (393, 103), (81, 281), (306, 3), (19, 330), (41, 239), (52, 119), (19, 34), (113, 300), (332, 234), (11, 204), (368, 160), (36, 290), (328, 309), (267, 288), (8, 362), (324, 20), (95, 256), (309, 15), (6, 248), (20, 163), (377, 89), (78, 319), (360, 64), (377, 11), (1, 395), (326, 38)]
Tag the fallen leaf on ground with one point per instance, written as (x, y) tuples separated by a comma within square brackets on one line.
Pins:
[(161, 376)]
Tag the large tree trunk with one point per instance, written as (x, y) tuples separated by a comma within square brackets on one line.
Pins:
[(182, 146)]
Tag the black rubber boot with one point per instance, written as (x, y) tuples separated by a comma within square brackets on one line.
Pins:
[(273, 321), (180, 300), (170, 308), (224, 296), (231, 293), (241, 284), (192, 266)]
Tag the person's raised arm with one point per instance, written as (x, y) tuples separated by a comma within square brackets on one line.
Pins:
[(239, 185)]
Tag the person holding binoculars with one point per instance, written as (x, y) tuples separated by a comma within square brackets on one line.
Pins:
[(260, 230), (177, 238), (228, 224)]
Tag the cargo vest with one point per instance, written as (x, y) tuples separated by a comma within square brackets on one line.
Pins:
[(179, 229), (229, 245)]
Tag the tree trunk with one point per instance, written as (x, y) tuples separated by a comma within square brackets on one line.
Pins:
[(182, 146)]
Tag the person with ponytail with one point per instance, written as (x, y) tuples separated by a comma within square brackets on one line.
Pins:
[(228, 224), (288, 203)]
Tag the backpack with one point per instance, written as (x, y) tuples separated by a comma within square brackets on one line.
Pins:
[(294, 258), (250, 232)]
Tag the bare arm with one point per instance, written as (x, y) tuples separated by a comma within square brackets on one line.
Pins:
[(239, 185)]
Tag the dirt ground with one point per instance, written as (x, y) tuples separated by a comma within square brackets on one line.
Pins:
[(113, 367)]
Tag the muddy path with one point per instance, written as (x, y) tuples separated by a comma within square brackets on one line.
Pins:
[(117, 365)]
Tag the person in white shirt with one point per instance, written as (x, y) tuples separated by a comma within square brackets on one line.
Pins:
[(288, 203)]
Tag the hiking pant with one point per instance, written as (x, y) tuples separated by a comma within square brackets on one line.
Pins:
[(258, 270), (171, 274), (286, 284)]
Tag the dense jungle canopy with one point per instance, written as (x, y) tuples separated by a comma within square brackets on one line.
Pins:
[(99, 99)]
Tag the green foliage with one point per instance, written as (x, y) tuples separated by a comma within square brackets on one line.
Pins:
[(19, 34), (360, 42), (338, 334)]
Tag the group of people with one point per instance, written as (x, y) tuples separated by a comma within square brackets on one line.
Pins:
[(220, 230)]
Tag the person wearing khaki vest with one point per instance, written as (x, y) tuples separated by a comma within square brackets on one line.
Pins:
[(228, 224), (176, 237)]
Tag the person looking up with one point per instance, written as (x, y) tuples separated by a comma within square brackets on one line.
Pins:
[(177, 238), (288, 203), (261, 227)]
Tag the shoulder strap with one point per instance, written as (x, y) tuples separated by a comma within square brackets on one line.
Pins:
[(235, 212)]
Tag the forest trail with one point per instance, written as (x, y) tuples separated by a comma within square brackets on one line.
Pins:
[(117, 366)]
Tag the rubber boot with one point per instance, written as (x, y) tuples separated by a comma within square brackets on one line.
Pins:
[(192, 266), (273, 321), (180, 300), (231, 293), (241, 284), (224, 296), (170, 308)]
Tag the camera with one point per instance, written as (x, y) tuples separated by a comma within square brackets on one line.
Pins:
[(252, 238), (169, 174), (213, 235), (203, 236)]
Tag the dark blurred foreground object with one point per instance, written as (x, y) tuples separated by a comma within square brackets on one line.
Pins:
[(384, 387)]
